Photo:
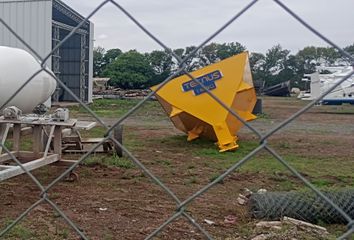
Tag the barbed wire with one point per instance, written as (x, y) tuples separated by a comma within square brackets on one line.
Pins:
[(181, 205)]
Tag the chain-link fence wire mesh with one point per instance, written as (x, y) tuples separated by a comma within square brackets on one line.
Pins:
[(181, 205), (302, 205)]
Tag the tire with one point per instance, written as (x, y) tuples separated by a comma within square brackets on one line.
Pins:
[(118, 135)]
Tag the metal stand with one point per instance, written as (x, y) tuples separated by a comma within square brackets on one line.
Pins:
[(40, 155), (74, 143), (63, 137)]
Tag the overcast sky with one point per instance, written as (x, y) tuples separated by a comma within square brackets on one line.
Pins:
[(180, 23)]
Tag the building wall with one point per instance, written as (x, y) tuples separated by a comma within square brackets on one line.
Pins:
[(31, 20)]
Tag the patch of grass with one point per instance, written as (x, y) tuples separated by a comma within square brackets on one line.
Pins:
[(25, 143), (286, 185), (284, 145), (109, 160), (8, 144), (263, 116), (204, 150), (164, 162), (95, 132), (214, 177), (54, 195), (318, 169), (108, 236), (340, 109), (19, 232), (178, 140), (64, 233), (115, 108), (322, 183), (191, 180), (122, 163), (249, 231)]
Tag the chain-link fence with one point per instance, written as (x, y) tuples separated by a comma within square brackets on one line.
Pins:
[(182, 204), (302, 205)]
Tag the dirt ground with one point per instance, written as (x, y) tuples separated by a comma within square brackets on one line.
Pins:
[(120, 202)]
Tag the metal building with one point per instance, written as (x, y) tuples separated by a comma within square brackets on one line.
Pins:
[(43, 24)]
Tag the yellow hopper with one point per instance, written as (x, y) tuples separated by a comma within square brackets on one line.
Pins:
[(194, 112)]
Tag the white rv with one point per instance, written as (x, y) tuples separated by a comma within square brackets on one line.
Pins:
[(343, 93)]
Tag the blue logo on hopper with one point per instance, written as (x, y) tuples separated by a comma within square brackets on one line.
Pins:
[(208, 80)]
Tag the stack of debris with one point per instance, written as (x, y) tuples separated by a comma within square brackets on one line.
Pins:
[(280, 227), (289, 228), (118, 93)]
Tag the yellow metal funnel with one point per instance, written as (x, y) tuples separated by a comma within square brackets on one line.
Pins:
[(194, 112)]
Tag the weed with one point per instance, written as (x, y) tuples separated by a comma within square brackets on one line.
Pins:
[(263, 116), (108, 236), (64, 233), (191, 167), (164, 162), (54, 195), (173, 171), (120, 162), (19, 232), (321, 183), (214, 177), (284, 145), (286, 185), (191, 180)]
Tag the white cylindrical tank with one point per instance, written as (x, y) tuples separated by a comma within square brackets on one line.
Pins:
[(16, 67)]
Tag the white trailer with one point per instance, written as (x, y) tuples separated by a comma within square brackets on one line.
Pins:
[(343, 93)]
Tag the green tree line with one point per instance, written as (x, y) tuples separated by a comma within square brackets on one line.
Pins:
[(133, 69)]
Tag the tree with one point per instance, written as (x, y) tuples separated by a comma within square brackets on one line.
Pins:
[(350, 50), (274, 67), (297, 71), (162, 64), (328, 55), (309, 58), (130, 70), (275, 59), (209, 54), (226, 50), (135, 70), (111, 55), (192, 62), (257, 61), (98, 61)]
